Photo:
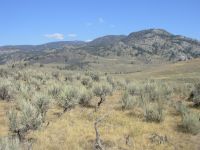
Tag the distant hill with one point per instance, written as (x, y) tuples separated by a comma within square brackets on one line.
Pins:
[(146, 45)]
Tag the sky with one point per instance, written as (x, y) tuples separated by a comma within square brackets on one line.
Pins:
[(41, 21)]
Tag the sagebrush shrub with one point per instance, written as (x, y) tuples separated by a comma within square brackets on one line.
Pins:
[(69, 98), (128, 101), (120, 84), (95, 76), (85, 97), (132, 89), (42, 103), (149, 89), (101, 90), (184, 90), (56, 75), (69, 78), (11, 143), (5, 90), (191, 122), (22, 75), (195, 95), (181, 108), (3, 73), (153, 112), (55, 91), (28, 118), (156, 91), (13, 120), (4, 93), (87, 82), (111, 81)]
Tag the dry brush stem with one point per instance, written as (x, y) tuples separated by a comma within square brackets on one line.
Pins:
[(98, 144)]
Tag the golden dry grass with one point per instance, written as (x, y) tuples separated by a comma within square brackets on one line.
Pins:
[(188, 70), (74, 130), (4, 107)]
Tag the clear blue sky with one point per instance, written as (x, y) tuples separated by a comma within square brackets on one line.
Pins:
[(40, 21)]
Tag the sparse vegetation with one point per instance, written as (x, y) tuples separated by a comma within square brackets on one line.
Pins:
[(40, 95)]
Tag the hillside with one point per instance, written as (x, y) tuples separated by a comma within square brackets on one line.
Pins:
[(147, 46)]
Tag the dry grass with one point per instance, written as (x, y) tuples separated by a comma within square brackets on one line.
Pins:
[(189, 70), (4, 107), (74, 130)]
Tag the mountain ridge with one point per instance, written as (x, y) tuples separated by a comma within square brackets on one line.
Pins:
[(147, 45)]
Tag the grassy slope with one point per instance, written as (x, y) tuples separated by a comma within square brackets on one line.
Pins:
[(74, 130), (182, 70)]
